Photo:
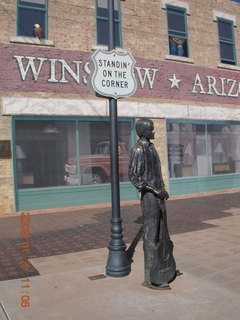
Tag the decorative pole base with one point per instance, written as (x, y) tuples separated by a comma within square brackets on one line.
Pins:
[(117, 264)]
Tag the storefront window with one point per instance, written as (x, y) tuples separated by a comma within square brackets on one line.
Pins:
[(67, 153), (94, 160), (42, 148), (203, 149), (225, 148)]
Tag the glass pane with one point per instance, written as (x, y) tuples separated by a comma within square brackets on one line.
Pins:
[(178, 46), (42, 149), (234, 148), (203, 150), (33, 3), (94, 149), (176, 34), (176, 20), (117, 34), (104, 4), (201, 164), (225, 30), (102, 12), (225, 148), (187, 150), (26, 20), (227, 52), (102, 30), (103, 36), (102, 9)]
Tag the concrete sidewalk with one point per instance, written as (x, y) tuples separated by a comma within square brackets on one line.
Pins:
[(208, 289)]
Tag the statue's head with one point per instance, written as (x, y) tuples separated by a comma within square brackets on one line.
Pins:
[(145, 128)]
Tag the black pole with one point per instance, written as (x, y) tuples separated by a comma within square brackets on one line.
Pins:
[(117, 264)]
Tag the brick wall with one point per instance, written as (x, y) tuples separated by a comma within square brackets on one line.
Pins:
[(72, 25), (6, 171)]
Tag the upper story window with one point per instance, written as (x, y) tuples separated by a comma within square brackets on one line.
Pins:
[(177, 31), (102, 22), (29, 13), (226, 41)]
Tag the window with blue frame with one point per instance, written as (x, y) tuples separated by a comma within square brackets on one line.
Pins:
[(198, 149), (177, 31), (29, 13), (226, 41), (102, 22), (71, 152)]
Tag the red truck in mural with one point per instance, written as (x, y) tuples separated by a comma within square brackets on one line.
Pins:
[(96, 168)]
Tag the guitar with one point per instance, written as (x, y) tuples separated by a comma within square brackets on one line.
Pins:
[(163, 270)]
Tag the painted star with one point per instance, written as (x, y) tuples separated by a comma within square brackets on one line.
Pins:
[(174, 81)]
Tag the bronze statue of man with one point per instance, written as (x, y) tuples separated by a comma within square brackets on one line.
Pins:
[(145, 174)]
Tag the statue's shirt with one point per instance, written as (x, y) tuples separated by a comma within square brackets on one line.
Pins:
[(144, 166)]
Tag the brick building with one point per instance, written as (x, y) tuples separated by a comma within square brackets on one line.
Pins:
[(187, 70)]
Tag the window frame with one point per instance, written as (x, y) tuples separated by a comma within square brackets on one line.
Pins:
[(45, 10), (77, 123), (226, 41), (206, 123), (52, 197), (197, 184), (185, 33), (118, 21)]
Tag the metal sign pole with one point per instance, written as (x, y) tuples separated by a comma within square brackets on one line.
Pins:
[(117, 264)]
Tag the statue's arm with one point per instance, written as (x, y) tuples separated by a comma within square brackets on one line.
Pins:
[(136, 171), (136, 168)]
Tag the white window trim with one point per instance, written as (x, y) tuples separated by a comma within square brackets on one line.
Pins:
[(226, 16), (228, 66), (179, 58), (102, 47), (176, 3), (32, 40)]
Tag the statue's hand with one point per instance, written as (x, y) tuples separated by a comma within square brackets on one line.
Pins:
[(161, 193), (166, 195)]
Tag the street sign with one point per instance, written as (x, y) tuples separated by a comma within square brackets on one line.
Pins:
[(112, 74)]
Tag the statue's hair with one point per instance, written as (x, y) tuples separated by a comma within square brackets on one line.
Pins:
[(142, 125)]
